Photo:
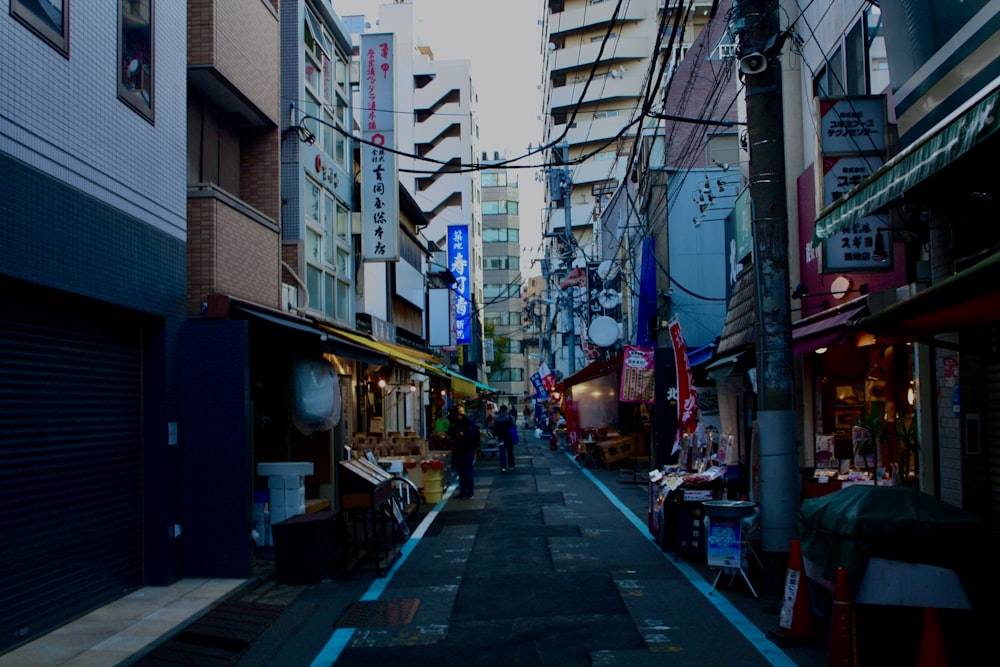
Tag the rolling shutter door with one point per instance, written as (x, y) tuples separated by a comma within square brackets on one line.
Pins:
[(70, 445)]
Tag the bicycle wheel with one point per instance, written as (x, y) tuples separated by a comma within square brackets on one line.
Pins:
[(407, 495)]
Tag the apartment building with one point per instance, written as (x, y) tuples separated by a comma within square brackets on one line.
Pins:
[(93, 236), (502, 280)]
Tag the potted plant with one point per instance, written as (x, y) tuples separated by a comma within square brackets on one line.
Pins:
[(867, 432)]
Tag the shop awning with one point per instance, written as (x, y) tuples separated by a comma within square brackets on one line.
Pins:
[(463, 387), (701, 355), (591, 371), (723, 367), (338, 346), (827, 328), (396, 353), (955, 136), (962, 301)]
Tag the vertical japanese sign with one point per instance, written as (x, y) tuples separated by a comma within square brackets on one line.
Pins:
[(851, 249), (458, 262), (853, 143), (379, 173), (687, 397), (638, 375)]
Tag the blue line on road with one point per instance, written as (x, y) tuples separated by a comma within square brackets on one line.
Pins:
[(751, 632), (341, 637)]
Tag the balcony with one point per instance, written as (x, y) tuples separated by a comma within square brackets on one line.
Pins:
[(583, 56), (597, 130), (605, 88), (591, 16), (233, 54), (238, 249)]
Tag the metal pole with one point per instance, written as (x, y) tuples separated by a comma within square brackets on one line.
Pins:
[(567, 209), (778, 493)]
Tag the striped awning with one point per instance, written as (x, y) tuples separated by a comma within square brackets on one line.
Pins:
[(953, 137)]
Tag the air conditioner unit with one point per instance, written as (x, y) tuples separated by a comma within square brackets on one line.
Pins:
[(289, 297)]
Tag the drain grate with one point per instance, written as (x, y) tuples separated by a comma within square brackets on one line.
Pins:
[(218, 638), (379, 613)]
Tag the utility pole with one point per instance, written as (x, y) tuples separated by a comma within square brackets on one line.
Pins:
[(568, 210), (778, 492)]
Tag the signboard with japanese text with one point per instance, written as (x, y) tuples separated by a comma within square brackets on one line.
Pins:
[(851, 249), (853, 125), (379, 172), (458, 263), (638, 375)]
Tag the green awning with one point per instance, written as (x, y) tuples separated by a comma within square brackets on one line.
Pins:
[(952, 138)]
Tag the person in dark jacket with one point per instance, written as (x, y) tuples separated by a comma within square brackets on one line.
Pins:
[(464, 434), (502, 425)]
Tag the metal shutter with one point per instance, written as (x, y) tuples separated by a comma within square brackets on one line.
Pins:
[(70, 458)]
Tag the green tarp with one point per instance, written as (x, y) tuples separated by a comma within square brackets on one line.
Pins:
[(847, 527)]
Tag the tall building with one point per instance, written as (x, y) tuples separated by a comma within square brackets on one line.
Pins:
[(598, 75), (505, 355), (93, 235), (601, 73), (436, 130)]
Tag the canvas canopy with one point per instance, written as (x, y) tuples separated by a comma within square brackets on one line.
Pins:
[(847, 527)]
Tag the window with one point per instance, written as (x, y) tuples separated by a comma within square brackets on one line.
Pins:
[(501, 263), (858, 66), (507, 375), (503, 235), (324, 75), (50, 23), (136, 68), (501, 291), (328, 253), (493, 179)]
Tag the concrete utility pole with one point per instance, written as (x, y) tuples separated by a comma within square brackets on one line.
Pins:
[(779, 486)]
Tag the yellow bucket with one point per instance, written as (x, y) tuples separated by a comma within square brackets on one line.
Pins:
[(433, 485)]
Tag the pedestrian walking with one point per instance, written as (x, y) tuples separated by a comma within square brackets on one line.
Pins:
[(464, 434), (502, 425), (514, 437)]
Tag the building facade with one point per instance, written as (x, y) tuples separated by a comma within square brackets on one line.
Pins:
[(93, 234)]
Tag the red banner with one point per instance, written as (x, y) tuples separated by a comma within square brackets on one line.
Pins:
[(638, 375), (687, 396)]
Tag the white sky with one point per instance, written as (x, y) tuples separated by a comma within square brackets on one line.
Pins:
[(502, 39)]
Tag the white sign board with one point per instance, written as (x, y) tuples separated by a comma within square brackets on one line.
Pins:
[(379, 172)]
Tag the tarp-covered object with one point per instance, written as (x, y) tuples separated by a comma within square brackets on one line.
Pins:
[(847, 527)]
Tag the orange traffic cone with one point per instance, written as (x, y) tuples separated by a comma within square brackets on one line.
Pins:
[(795, 621), (842, 650), (932, 653)]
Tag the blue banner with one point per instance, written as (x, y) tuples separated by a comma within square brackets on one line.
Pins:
[(536, 382), (458, 262)]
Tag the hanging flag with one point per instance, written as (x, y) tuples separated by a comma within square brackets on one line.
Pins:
[(548, 379), (647, 294), (687, 396)]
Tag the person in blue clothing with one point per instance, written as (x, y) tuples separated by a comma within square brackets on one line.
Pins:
[(464, 434), (502, 425)]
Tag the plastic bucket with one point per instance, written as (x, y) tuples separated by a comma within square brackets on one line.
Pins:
[(433, 485)]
